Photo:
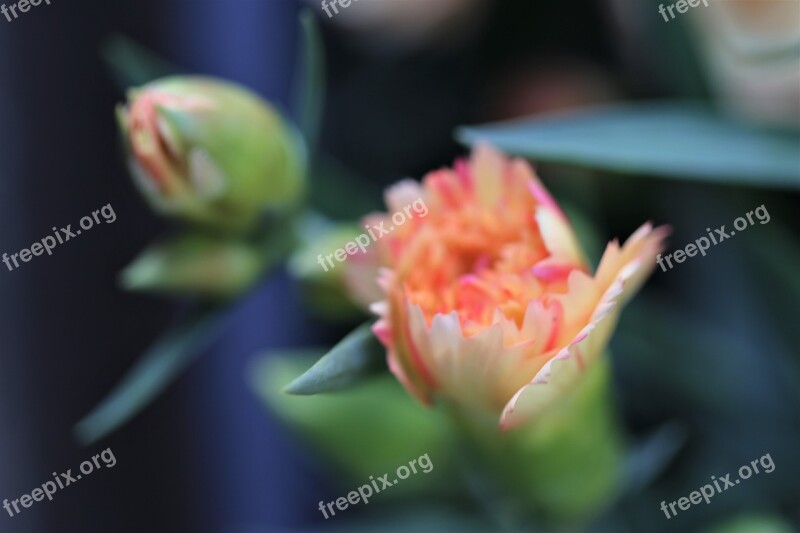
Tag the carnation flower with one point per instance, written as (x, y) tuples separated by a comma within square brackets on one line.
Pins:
[(488, 301)]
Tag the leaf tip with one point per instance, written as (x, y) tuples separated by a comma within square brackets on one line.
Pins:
[(298, 387)]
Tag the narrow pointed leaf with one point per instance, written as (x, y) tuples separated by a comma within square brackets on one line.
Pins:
[(357, 356), (650, 458), (674, 140), (131, 64), (157, 368), (310, 80)]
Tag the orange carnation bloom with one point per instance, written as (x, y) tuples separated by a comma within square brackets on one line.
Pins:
[(488, 301)]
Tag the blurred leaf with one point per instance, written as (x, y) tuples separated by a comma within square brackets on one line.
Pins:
[(674, 140), (753, 523), (421, 518), (131, 64), (197, 264), (356, 357), (310, 80), (151, 374), (323, 289), (649, 458), (367, 431)]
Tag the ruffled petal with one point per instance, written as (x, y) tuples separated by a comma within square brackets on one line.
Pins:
[(633, 263), (402, 194), (562, 372), (479, 370), (488, 166), (639, 253), (558, 236)]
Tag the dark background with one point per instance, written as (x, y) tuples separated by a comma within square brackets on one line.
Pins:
[(206, 456)]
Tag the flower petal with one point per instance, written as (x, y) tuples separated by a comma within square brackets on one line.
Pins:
[(488, 165), (562, 373), (558, 236), (478, 370), (629, 265), (402, 194), (641, 249)]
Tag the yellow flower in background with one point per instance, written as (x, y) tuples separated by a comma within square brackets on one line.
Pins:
[(487, 301)]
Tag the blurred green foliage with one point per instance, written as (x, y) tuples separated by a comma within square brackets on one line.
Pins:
[(368, 430), (674, 140)]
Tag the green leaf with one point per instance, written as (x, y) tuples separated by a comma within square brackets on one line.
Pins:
[(650, 457), (674, 140), (131, 64), (366, 431), (356, 357), (752, 522), (323, 289), (419, 517), (310, 80), (154, 371)]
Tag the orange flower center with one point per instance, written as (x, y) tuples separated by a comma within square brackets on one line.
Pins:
[(475, 260)]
